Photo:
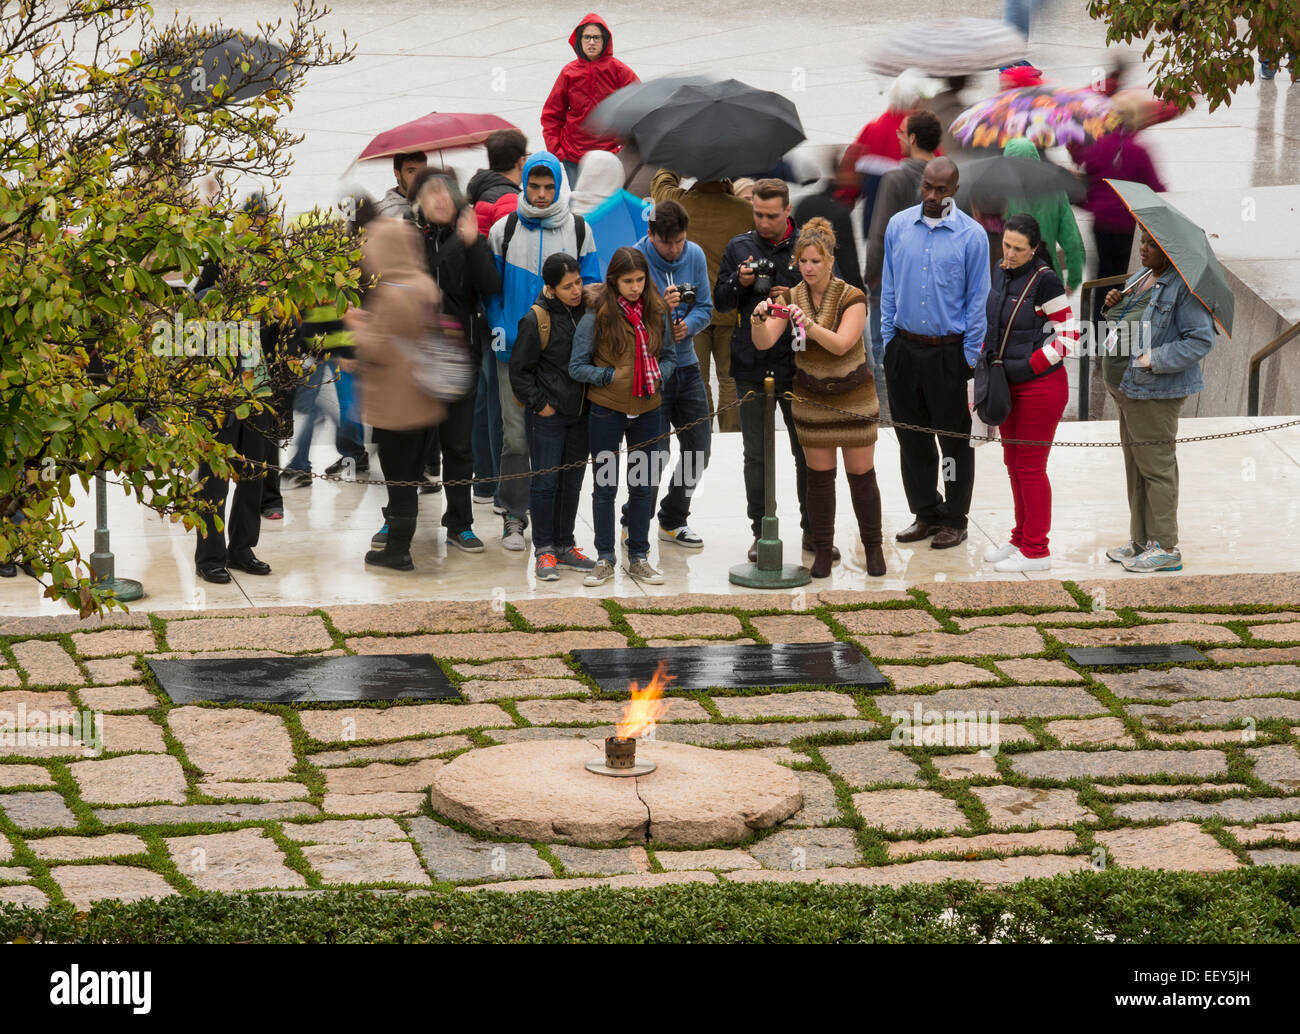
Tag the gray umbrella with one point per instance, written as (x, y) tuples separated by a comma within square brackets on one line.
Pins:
[(624, 108), (192, 67), (956, 46)]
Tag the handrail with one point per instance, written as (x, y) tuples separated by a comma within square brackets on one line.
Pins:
[(1088, 293), (1257, 360)]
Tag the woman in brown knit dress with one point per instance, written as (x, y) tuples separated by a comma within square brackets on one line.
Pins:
[(831, 367)]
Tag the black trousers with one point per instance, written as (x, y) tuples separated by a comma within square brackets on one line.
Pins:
[(250, 437), (401, 458), (927, 387), (751, 431), (1113, 250), (456, 437)]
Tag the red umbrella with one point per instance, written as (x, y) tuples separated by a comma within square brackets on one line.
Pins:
[(436, 131)]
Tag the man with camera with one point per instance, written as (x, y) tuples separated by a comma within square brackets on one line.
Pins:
[(758, 264), (680, 271)]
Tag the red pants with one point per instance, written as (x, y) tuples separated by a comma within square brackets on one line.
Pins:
[(1036, 408)]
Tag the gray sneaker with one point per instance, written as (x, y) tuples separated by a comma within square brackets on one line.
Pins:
[(600, 574), (1122, 553), (641, 570), (1155, 558), (513, 535), (574, 559), (545, 568)]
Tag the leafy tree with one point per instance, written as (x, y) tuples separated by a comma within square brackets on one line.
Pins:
[(1208, 47), (108, 120)]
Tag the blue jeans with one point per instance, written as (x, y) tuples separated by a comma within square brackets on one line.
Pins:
[(1016, 14), (607, 430), (349, 437), (487, 427), (1267, 71), (684, 401), (553, 498)]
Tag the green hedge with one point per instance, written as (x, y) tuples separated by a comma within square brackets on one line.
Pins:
[(1126, 906)]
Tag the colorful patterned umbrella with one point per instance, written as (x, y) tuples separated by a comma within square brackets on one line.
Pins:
[(1048, 115)]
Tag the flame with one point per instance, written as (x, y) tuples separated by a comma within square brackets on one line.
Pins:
[(646, 707)]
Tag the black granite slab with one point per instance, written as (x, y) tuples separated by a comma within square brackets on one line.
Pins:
[(286, 680), (1110, 656), (733, 666)]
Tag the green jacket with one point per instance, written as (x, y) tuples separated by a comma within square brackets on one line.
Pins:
[(1055, 219)]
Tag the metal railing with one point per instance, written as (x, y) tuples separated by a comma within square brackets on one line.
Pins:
[(1090, 298), (1257, 361)]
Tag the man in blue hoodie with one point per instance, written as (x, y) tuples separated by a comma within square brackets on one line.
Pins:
[(541, 226), (677, 264)]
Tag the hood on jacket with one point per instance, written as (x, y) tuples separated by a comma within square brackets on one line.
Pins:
[(558, 210), (660, 264), (600, 177), (1020, 147), (556, 306), (489, 181), (575, 40)]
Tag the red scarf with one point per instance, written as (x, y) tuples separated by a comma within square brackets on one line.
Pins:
[(645, 369)]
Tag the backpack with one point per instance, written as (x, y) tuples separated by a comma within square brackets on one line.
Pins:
[(543, 319), (512, 221)]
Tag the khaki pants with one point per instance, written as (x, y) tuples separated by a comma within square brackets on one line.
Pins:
[(713, 344), (1151, 470)]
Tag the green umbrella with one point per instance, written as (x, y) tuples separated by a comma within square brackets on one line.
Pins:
[(1186, 245)]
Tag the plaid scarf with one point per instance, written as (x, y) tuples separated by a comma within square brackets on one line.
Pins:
[(645, 369)]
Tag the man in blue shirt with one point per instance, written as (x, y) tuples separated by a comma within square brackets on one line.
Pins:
[(676, 263), (934, 282)]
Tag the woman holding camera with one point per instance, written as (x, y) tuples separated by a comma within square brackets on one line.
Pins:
[(1030, 323), (624, 351), (831, 367)]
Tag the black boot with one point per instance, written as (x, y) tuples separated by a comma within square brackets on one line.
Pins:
[(865, 494), (821, 518), (396, 553)]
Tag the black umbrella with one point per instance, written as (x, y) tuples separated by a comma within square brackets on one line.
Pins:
[(192, 67), (1006, 178), (624, 108), (716, 130)]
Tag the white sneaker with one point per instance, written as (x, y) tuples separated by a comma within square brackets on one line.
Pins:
[(1017, 561), (683, 536), (992, 556)]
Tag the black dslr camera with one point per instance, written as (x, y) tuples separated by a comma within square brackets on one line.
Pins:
[(764, 273)]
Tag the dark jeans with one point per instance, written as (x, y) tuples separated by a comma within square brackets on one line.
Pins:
[(683, 401), (244, 522), (401, 458), (927, 387), (607, 429), (454, 435), (487, 427), (553, 498), (1113, 251), (751, 430)]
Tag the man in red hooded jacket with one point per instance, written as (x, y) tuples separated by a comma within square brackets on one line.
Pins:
[(581, 85)]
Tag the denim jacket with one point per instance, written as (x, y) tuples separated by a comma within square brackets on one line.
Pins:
[(1181, 334)]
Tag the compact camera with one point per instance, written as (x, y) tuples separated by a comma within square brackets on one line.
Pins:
[(764, 274), (688, 294)]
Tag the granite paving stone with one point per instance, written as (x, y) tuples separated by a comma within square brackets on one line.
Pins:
[(24, 775), (28, 709), (130, 779), (1071, 617), (781, 755), (1027, 806), (458, 857), (1168, 789), (651, 625), (957, 767), (566, 611), (1288, 831), (885, 622), (1108, 764), (1234, 809), (1242, 588), (83, 885), (176, 814), (6, 849), (254, 790), (1205, 737), (343, 831), (1274, 856), (382, 778), (1262, 655), (479, 691), (951, 673), (1214, 712), (9, 677), (361, 723), (901, 811), (522, 668), (1146, 635), (386, 802), (1036, 670), (820, 808), (372, 862), (37, 809), (989, 873), (396, 750), (566, 712), (793, 628), (419, 616), (1181, 846), (720, 601), (244, 859), (14, 873), (798, 704), (659, 643), (106, 644), (24, 896), (1280, 632), (1040, 840), (632, 881), (982, 642), (861, 764), (286, 633), (47, 664), (807, 849), (1182, 683), (55, 624), (118, 698), (1008, 701), (856, 597), (587, 861), (233, 742), (133, 732), (987, 595), (485, 646), (1221, 618), (688, 861), (1091, 732), (112, 670), (1278, 765)]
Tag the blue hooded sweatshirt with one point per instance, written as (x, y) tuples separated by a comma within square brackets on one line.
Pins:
[(539, 234), (690, 268)]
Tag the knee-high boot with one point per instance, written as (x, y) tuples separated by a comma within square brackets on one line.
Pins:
[(865, 494), (397, 550), (821, 518)]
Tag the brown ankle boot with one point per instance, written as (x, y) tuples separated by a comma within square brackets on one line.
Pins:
[(865, 494), (821, 518)]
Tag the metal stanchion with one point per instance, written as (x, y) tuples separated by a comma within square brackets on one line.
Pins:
[(101, 561), (769, 572)]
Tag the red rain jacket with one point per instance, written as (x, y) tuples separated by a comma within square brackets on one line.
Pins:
[(581, 85)]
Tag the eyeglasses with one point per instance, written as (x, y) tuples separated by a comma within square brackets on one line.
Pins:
[(593, 39)]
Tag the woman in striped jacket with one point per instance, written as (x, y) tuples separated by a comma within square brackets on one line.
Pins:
[(1029, 307)]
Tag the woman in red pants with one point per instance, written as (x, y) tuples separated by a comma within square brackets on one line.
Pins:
[(1028, 307)]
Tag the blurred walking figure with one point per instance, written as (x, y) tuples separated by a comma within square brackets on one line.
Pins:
[(400, 313), (1017, 13), (1055, 219), (600, 177), (1030, 330), (583, 83)]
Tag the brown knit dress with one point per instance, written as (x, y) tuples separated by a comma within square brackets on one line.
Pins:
[(842, 381)]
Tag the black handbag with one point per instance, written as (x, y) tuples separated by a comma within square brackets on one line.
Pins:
[(992, 392)]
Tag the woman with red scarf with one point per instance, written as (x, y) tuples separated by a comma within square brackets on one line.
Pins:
[(619, 352)]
